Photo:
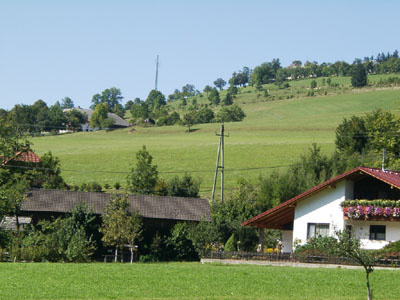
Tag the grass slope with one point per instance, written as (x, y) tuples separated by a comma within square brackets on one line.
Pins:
[(189, 281), (274, 133)]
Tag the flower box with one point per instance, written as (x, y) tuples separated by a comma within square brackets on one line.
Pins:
[(374, 210)]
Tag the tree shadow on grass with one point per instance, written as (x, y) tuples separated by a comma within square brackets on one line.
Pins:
[(191, 130)]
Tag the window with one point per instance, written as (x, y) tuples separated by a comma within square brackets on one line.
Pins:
[(349, 229), (377, 232), (317, 230)]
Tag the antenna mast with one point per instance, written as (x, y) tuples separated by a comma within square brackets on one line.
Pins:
[(156, 74)]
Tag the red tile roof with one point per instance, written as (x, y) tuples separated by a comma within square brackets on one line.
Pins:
[(27, 156), (24, 156), (287, 208)]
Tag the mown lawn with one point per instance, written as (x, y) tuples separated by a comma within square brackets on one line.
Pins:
[(188, 281), (274, 133)]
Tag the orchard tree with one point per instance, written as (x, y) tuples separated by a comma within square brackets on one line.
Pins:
[(189, 119), (207, 89), (228, 99), (144, 176), (346, 245), (220, 83), (213, 97)]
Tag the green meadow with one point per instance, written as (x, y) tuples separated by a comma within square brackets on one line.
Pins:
[(272, 136), (99, 281)]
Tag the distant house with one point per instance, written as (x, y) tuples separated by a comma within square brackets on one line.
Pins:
[(24, 156), (45, 203), (365, 200), (149, 121), (118, 121)]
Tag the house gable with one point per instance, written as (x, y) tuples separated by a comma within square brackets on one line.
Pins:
[(321, 208), (281, 215)]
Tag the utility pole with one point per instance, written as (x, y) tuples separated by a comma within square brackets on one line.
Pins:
[(156, 74), (220, 154)]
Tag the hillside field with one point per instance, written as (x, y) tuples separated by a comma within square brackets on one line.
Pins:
[(274, 134), (97, 281)]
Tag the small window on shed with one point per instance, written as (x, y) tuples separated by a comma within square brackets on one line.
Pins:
[(377, 232)]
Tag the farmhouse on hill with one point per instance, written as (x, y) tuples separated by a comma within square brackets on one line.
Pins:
[(363, 200), (118, 121)]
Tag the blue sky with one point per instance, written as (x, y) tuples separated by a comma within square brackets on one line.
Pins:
[(53, 49)]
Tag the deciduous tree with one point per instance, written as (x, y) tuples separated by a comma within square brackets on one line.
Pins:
[(120, 226), (143, 177), (220, 83)]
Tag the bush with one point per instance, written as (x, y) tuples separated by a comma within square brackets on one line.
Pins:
[(147, 258), (68, 239), (231, 114), (185, 187), (90, 187), (182, 244), (230, 243)]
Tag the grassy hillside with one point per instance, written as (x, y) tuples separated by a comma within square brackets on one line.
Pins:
[(189, 281), (274, 133)]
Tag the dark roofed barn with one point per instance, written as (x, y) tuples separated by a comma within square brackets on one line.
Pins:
[(58, 202)]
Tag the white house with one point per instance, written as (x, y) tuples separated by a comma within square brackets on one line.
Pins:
[(365, 200)]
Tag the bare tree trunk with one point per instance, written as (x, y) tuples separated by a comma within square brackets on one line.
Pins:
[(369, 290), (116, 254), (131, 254), (122, 256)]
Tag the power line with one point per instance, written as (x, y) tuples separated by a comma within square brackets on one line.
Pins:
[(174, 172)]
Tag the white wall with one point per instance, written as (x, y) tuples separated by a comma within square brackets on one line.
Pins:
[(323, 207), (361, 231), (287, 240)]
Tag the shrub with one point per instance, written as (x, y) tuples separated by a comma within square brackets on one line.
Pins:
[(231, 114), (230, 243), (181, 243), (185, 187)]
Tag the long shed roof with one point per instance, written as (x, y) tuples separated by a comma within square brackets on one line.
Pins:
[(148, 206)]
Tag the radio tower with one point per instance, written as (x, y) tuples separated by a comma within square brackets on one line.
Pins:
[(156, 73)]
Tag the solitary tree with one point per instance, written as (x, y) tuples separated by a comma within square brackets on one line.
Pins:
[(143, 177), (189, 119), (313, 84), (359, 76), (207, 89), (220, 83), (350, 247)]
